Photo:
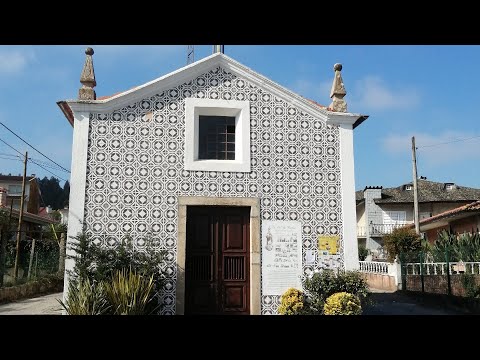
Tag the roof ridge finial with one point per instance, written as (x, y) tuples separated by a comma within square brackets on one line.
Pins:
[(338, 91), (87, 78)]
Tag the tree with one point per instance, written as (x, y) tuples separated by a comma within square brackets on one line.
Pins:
[(53, 194), (66, 194), (402, 240)]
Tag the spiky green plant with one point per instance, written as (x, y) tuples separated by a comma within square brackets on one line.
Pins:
[(85, 298), (464, 247), (130, 293)]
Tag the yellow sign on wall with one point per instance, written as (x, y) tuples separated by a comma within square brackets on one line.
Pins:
[(328, 244)]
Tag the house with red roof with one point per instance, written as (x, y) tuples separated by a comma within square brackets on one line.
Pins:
[(459, 220), (245, 184), (13, 187), (381, 210)]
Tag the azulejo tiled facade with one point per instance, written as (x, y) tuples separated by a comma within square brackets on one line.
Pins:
[(135, 170)]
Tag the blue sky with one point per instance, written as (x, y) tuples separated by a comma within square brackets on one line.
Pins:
[(430, 92)]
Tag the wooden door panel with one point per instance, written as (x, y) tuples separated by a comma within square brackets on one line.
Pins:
[(234, 233), (202, 237), (217, 260), (234, 298), (203, 298), (234, 268), (201, 267)]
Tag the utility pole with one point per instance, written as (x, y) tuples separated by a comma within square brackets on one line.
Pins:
[(415, 187), (20, 217)]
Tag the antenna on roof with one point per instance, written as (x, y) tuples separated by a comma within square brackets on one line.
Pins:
[(190, 54), (218, 49)]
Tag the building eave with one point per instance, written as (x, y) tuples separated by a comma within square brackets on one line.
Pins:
[(445, 217), (67, 111), (186, 73), (349, 119), (31, 218)]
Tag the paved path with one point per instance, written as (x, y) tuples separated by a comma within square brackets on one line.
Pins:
[(384, 303), (388, 303), (43, 305)]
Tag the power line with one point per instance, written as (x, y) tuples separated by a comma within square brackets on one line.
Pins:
[(448, 142), (46, 164), (7, 154), (7, 158), (33, 162), (33, 147), (10, 146)]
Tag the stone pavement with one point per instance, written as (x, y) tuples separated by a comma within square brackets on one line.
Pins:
[(395, 303), (384, 303), (43, 305)]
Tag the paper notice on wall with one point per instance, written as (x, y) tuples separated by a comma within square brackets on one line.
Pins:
[(309, 257), (281, 256), (328, 244)]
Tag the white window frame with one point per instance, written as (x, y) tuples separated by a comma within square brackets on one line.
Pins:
[(194, 108), (408, 187), (16, 186), (397, 217)]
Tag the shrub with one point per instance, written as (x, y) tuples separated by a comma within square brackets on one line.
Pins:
[(328, 282), (342, 303), (469, 285), (291, 302), (127, 280), (130, 293), (85, 298), (99, 264), (362, 252), (402, 240)]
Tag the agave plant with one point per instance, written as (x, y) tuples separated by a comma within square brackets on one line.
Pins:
[(464, 247), (85, 298), (130, 293), (445, 241)]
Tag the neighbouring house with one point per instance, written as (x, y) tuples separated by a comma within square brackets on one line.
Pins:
[(246, 185), (32, 225), (13, 185), (30, 222), (465, 218), (380, 210), (61, 215)]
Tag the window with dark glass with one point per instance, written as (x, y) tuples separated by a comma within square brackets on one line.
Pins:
[(216, 138)]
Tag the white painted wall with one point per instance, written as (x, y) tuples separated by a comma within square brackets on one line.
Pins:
[(77, 187), (361, 215), (350, 243)]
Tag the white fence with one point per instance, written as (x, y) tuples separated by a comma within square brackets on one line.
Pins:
[(382, 268), (394, 269), (441, 268), (375, 267)]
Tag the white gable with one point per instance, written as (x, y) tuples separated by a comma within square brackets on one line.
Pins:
[(189, 72)]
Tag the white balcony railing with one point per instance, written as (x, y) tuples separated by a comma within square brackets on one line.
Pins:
[(376, 267), (376, 230)]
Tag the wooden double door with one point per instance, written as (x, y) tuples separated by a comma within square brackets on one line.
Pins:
[(217, 264)]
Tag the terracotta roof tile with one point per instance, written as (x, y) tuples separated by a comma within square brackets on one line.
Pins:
[(475, 206), (428, 191)]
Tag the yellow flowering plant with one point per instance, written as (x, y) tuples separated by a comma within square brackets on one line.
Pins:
[(291, 302), (342, 303)]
